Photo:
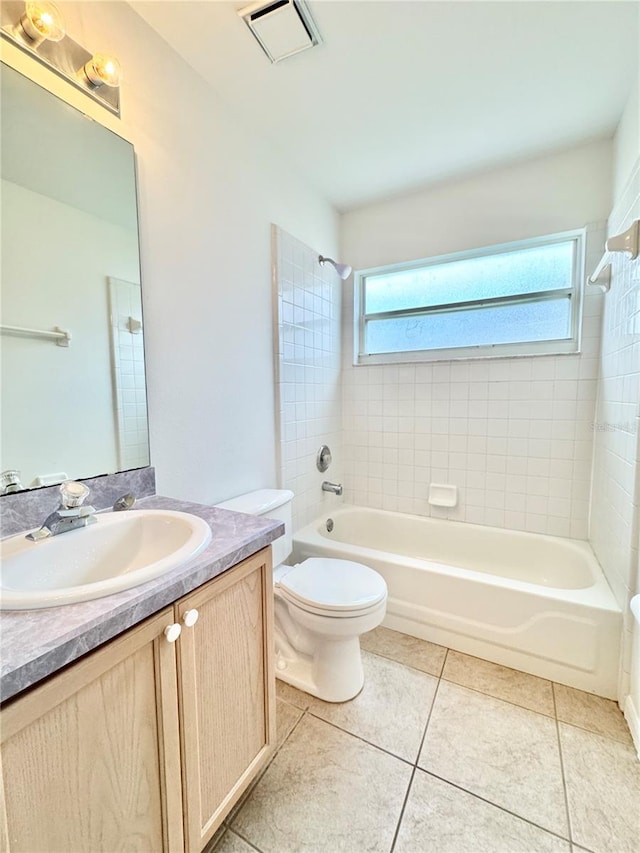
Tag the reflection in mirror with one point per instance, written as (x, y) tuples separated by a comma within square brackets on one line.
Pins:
[(73, 379)]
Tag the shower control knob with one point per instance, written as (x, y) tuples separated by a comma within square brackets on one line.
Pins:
[(190, 617), (172, 632), (323, 458)]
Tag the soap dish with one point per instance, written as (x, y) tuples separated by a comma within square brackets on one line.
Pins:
[(443, 495)]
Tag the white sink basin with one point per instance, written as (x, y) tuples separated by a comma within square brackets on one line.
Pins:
[(119, 551)]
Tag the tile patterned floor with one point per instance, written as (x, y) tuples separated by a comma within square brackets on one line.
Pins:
[(443, 753)]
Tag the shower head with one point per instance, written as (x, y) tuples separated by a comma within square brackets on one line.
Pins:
[(343, 270)]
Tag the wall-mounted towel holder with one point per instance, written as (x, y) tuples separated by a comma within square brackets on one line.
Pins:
[(61, 336), (628, 241)]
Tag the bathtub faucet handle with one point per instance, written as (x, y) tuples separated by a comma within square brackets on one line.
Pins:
[(336, 488)]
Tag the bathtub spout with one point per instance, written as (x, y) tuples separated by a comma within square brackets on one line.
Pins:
[(336, 488)]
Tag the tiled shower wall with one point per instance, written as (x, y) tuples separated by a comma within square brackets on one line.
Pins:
[(514, 435), (616, 491), (128, 373), (307, 363)]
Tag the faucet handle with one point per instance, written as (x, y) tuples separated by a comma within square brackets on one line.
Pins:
[(72, 494), (125, 502)]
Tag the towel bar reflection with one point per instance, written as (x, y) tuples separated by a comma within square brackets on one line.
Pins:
[(60, 336)]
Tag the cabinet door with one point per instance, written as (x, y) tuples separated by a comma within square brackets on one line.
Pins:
[(227, 692), (90, 759)]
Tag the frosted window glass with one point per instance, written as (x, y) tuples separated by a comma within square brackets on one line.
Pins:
[(499, 324), (539, 268)]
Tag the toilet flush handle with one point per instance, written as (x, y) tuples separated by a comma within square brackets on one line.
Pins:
[(190, 617)]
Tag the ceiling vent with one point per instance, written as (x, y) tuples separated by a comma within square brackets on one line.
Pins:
[(282, 27)]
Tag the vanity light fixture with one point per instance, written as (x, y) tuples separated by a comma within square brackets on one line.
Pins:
[(40, 21), (102, 70), (37, 28), (343, 270)]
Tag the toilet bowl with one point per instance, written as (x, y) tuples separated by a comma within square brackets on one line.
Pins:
[(321, 608)]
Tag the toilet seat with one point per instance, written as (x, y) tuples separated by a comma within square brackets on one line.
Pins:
[(332, 587)]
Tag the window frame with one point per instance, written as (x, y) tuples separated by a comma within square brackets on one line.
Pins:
[(480, 351)]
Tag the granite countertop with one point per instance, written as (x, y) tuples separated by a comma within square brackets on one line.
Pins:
[(37, 643)]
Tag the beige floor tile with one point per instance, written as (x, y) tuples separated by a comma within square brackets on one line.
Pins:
[(292, 695), (286, 718), (591, 712), (392, 709), (603, 789), (325, 792), (454, 821), (232, 843), (506, 754), (499, 681), (215, 840), (411, 651)]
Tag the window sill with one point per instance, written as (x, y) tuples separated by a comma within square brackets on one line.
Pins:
[(545, 348)]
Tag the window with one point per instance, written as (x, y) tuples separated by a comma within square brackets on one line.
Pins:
[(515, 299)]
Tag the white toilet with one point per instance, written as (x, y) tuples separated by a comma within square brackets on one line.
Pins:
[(322, 606)]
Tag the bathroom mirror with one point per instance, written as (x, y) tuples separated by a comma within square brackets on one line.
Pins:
[(73, 391)]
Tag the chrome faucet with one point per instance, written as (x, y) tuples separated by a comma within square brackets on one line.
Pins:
[(336, 488), (70, 515)]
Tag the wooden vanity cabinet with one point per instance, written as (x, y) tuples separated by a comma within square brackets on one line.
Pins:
[(90, 758), (146, 744), (227, 693)]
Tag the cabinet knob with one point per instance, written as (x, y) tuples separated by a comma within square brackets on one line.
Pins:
[(172, 632), (190, 617)]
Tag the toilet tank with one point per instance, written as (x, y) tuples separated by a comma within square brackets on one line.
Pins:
[(272, 503)]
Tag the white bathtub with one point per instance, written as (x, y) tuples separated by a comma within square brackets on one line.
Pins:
[(537, 603)]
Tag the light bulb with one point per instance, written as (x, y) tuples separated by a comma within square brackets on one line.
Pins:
[(42, 20), (103, 70)]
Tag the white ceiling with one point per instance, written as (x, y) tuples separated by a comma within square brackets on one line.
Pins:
[(404, 94)]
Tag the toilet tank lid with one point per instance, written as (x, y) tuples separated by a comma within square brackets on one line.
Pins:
[(260, 502)]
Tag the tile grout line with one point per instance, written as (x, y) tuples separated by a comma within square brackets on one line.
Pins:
[(415, 764), (500, 698), (437, 674), (467, 791), (243, 799), (564, 780), (246, 840), (360, 738), (551, 716), (496, 805), (594, 732), (439, 678), (433, 702), (483, 692)]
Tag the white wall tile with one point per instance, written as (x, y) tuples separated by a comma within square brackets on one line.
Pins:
[(507, 432), (614, 517), (308, 377)]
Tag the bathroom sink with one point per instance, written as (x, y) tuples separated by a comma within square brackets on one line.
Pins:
[(121, 550)]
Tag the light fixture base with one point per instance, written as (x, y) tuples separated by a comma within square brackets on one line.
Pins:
[(64, 57)]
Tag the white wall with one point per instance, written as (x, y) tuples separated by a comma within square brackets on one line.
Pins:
[(626, 143), (515, 435), (208, 193), (541, 196), (55, 392), (308, 352)]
